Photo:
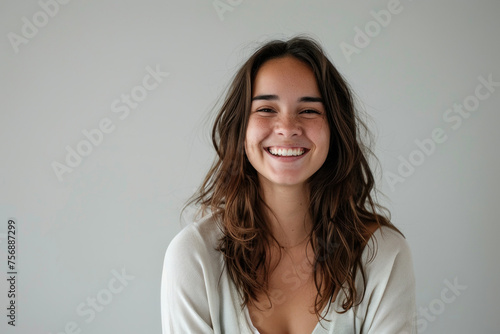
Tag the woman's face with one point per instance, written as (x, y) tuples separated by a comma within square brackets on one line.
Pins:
[(287, 137)]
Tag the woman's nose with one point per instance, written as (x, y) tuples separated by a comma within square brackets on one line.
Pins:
[(288, 126)]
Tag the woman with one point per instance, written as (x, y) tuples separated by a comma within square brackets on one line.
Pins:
[(290, 239)]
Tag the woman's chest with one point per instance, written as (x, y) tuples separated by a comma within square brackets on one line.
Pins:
[(290, 306)]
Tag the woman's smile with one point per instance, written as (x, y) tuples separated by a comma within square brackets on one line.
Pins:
[(286, 151)]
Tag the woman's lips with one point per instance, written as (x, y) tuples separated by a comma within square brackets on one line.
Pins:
[(288, 153)]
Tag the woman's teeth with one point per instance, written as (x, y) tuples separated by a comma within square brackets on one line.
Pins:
[(286, 152)]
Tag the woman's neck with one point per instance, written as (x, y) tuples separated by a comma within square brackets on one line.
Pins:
[(289, 220)]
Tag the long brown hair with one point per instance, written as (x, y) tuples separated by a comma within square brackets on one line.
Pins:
[(341, 201)]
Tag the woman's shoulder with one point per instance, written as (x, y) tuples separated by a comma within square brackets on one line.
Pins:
[(386, 249), (190, 296), (390, 239), (196, 242)]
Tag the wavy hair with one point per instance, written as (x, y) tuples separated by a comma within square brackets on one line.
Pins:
[(341, 203)]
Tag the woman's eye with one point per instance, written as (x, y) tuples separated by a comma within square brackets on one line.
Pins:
[(310, 111), (265, 110)]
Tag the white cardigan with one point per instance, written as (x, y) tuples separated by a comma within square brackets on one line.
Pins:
[(192, 301)]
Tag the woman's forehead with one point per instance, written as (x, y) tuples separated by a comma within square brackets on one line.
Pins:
[(285, 76)]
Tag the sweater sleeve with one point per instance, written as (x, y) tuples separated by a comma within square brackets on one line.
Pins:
[(184, 298), (390, 307)]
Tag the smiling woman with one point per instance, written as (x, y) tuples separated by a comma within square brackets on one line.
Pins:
[(290, 239)]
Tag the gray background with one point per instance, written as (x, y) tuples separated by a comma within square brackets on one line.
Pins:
[(119, 209)]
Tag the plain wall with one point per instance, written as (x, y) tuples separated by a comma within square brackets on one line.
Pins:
[(118, 208)]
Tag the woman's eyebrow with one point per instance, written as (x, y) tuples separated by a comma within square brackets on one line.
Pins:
[(265, 97), (310, 99), (270, 97)]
